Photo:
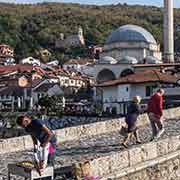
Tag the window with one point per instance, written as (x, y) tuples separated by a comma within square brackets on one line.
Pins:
[(149, 91)]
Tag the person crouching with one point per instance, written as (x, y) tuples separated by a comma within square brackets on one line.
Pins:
[(44, 140), (133, 112)]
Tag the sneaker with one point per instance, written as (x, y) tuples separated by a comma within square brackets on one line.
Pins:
[(160, 133), (138, 142)]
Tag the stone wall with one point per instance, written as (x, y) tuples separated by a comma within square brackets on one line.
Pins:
[(127, 163), (11, 132), (165, 168), (73, 133), (77, 132)]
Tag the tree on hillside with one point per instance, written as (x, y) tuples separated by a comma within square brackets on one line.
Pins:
[(27, 28)]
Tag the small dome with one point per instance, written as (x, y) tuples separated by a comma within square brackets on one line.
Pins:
[(128, 60), (107, 60), (152, 60), (130, 33)]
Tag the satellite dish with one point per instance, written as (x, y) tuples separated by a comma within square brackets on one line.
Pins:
[(22, 81)]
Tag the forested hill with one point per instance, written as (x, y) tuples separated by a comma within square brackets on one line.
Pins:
[(30, 27)]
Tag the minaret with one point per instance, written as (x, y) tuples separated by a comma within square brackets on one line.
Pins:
[(80, 31), (80, 34), (168, 31)]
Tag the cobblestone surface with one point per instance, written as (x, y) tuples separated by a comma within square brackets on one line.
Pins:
[(88, 148)]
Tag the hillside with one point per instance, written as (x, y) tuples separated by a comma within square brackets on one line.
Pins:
[(30, 27)]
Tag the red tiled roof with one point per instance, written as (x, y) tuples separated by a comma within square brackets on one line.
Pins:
[(142, 77), (14, 82), (44, 87), (157, 65), (20, 68), (35, 82)]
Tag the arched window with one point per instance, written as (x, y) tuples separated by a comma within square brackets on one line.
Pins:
[(126, 72), (105, 75)]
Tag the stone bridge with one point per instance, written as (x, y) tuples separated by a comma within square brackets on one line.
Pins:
[(100, 144)]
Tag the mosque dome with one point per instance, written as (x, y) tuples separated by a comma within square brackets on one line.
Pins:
[(152, 60), (128, 60), (107, 60), (130, 33)]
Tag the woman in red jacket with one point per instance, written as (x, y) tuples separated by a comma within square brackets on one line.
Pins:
[(155, 112)]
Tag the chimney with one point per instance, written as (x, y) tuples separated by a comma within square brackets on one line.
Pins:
[(168, 32)]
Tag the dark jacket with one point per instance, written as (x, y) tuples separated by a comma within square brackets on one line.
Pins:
[(132, 113), (35, 129)]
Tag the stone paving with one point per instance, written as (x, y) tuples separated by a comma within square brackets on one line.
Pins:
[(88, 148)]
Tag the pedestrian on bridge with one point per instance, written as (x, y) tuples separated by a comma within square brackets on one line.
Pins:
[(155, 112), (133, 112)]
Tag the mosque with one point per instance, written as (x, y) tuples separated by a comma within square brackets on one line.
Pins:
[(131, 64), (133, 41), (125, 47)]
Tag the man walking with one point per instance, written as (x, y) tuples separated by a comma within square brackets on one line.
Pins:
[(155, 112)]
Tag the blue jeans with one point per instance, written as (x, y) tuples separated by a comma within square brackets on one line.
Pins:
[(51, 159)]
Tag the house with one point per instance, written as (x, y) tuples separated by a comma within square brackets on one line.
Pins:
[(14, 96), (15, 70), (118, 93), (31, 60), (84, 66), (22, 85), (9, 61), (49, 89), (67, 78), (6, 51)]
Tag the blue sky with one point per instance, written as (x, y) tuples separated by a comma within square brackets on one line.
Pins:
[(99, 2)]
